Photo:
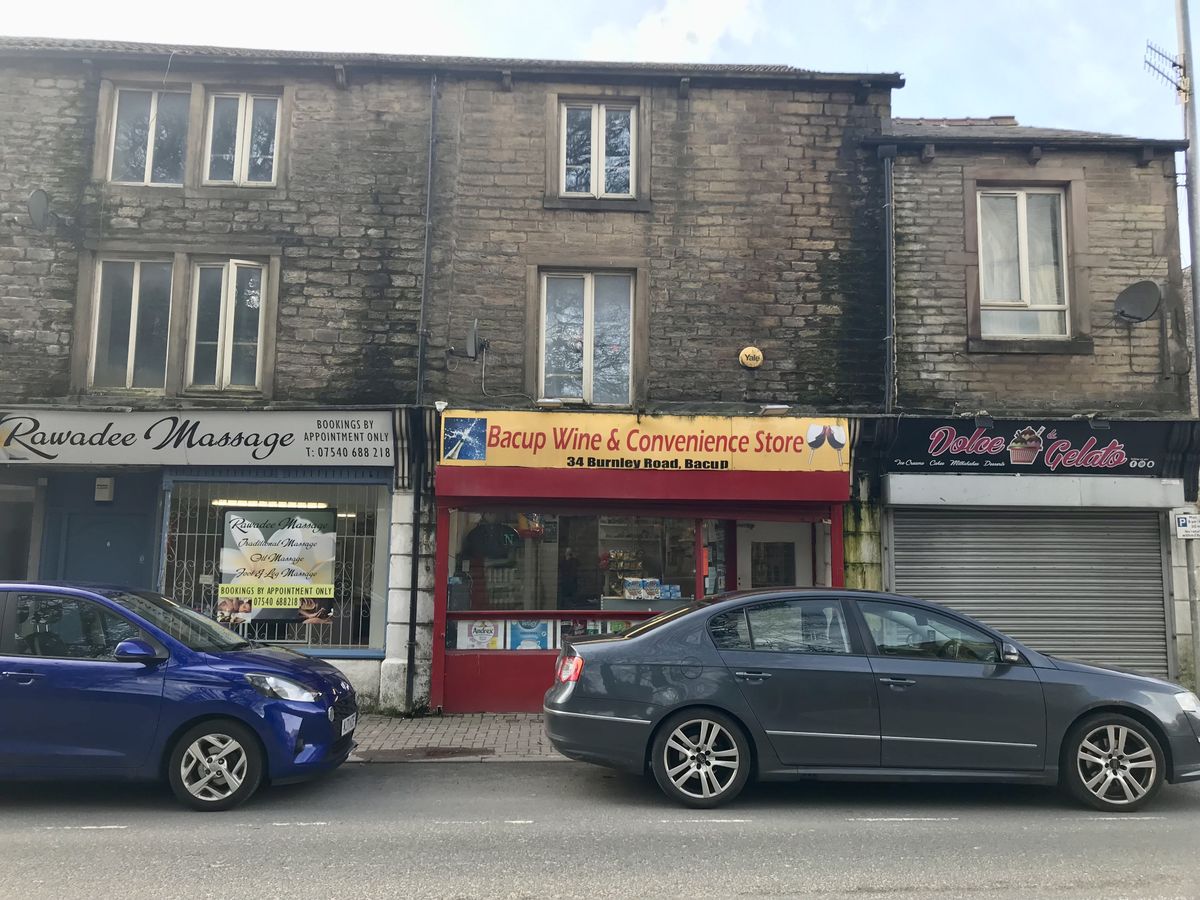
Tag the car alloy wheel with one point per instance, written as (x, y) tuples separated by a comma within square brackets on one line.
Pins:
[(1112, 763), (213, 767), (1116, 764), (216, 765), (701, 758)]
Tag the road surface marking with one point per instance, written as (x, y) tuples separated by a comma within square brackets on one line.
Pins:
[(1123, 818), (84, 827), (903, 819), (518, 821), (296, 824), (704, 821)]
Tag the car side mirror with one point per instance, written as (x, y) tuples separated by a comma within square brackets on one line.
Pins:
[(135, 650), (1009, 653)]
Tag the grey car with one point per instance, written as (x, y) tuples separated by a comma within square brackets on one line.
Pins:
[(852, 685)]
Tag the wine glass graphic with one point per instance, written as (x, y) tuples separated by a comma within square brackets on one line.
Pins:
[(818, 435)]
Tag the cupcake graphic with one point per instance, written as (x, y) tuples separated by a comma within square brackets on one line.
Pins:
[(1025, 446)]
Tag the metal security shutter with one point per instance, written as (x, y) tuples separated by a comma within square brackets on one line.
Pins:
[(1087, 585)]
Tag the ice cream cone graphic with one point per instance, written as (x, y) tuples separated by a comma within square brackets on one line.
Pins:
[(1025, 446)]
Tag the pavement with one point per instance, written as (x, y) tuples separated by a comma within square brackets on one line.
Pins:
[(464, 830), (491, 737)]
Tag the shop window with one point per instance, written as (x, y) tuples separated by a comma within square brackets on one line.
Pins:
[(346, 564), (1022, 263), (242, 137), (598, 149), (525, 562), (587, 337), (227, 325), (149, 137), (133, 311)]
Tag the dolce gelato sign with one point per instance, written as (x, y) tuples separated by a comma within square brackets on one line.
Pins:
[(194, 437), (1072, 447)]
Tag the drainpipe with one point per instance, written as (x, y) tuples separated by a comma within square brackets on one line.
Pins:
[(417, 433), (887, 153)]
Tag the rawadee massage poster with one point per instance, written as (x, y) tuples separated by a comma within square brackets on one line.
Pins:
[(277, 564)]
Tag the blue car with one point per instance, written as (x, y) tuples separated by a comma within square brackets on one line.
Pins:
[(106, 682)]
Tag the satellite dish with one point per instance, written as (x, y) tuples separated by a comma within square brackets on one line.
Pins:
[(473, 340), (1138, 302), (39, 209)]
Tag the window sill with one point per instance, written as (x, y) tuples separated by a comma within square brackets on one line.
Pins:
[(597, 204), (337, 652), (1077, 346), (199, 192)]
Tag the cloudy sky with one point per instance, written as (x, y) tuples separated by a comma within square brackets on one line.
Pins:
[(1064, 63)]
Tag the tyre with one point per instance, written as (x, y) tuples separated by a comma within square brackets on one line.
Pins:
[(216, 765), (701, 758), (1112, 763)]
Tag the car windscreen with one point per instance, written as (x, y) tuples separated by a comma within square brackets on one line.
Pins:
[(194, 631)]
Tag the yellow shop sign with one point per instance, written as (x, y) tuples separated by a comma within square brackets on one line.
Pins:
[(618, 441)]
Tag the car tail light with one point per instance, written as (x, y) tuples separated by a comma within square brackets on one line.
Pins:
[(570, 668)]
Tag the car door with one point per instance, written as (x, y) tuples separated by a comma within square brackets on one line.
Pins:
[(66, 701), (946, 698), (804, 674)]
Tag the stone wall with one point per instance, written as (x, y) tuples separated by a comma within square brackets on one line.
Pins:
[(1132, 229), (763, 228)]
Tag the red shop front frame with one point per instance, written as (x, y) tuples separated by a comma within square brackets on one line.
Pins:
[(514, 680)]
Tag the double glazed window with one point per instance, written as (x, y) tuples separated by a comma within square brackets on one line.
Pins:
[(598, 149), (1022, 269), (243, 132), (587, 336), (227, 325), (133, 323), (133, 314), (149, 143)]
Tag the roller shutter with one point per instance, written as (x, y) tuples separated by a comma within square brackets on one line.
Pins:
[(1085, 585)]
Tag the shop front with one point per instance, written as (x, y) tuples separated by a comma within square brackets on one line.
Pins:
[(553, 524), (273, 522), (1055, 532)]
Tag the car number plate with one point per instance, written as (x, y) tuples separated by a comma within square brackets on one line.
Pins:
[(348, 724)]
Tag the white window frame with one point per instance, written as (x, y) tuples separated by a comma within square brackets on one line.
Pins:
[(241, 162), (149, 167), (596, 186), (589, 335), (1024, 303), (225, 328), (131, 356)]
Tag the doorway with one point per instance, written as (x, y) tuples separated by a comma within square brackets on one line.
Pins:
[(776, 554), (16, 530)]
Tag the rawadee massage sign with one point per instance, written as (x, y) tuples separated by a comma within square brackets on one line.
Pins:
[(195, 437), (1032, 446)]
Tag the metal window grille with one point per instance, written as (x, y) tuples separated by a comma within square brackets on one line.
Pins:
[(195, 534)]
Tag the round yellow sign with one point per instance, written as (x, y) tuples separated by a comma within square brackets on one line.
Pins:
[(751, 357)]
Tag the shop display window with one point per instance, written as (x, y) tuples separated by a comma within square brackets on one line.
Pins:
[(525, 562), (328, 538)]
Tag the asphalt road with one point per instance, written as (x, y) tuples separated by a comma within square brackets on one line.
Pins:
[(570, 830)]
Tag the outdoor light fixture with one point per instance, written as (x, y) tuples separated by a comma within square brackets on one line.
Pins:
[(773, 409), (548, 403), (983, 420), (1099, 423), (272, 504)]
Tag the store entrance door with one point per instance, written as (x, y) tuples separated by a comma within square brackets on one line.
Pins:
[(775, 554), (16, 529)]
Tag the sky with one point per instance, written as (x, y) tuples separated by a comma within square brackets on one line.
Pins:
[(1055, 63)]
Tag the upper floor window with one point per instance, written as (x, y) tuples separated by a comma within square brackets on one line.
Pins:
[(243, 133), (1022, 263), (599, 149), (149, 140), (133, 312), (227, 325), (587, 337)]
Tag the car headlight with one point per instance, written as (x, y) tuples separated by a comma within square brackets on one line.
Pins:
[(1188, 702), (282, 688)]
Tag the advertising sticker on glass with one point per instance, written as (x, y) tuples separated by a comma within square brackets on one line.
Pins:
[(278, 565)]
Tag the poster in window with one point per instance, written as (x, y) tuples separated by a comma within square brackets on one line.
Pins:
[(483, 634), (529, 635), (277, 564)]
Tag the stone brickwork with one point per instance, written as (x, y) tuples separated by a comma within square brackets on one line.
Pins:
[(1131, 221), (47, 115), (347, 222), (764, 229)]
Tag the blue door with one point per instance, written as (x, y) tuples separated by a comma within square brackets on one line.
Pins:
[(65, 702)]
